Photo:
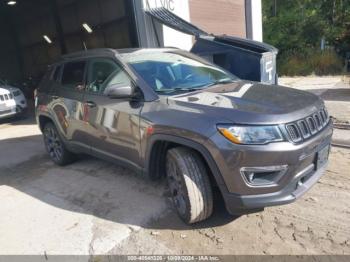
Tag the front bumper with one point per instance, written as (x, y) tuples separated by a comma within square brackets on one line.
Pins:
[(238, 204), (300, 159), (13, 111)]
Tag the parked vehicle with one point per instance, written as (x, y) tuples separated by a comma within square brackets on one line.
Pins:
[(12, 101), (169, 113)]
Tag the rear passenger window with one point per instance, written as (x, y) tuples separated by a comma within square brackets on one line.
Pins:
[(73, 75)]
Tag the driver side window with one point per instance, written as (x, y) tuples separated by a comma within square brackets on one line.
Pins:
[(103, 72)]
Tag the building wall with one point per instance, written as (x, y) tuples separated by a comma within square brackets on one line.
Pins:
[(165, 35), (214, 16), (219, 16), (254, 20)]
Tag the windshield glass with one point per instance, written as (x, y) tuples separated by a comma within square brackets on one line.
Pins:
[(167, 72)]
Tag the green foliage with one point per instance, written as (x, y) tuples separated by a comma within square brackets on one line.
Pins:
[(326, 63), (296, 28), (294, 66), (311, 62)]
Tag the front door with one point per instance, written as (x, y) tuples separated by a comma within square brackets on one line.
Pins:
[(113, 124)]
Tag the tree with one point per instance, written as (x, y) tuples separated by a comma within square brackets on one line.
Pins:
[(299, 25)]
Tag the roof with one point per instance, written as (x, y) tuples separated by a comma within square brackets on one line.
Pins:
[(111, 52), (91, 52), (4, 91)]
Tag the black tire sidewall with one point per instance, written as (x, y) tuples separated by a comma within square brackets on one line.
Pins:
[(65, 154), (187, 216)]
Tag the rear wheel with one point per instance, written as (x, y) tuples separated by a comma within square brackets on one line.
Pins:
[(189, 185), (55, 147)]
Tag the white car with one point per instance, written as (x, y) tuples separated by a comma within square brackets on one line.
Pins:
[(12, 101)]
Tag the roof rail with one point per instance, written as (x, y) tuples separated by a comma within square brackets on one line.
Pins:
[(90, 52)]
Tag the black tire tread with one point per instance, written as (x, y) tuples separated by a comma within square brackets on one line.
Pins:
[(199, 191)]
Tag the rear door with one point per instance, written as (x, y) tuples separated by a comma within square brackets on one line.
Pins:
[(113, 124), (67, 101)]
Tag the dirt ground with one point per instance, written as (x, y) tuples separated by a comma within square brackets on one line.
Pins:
[(94, 207)]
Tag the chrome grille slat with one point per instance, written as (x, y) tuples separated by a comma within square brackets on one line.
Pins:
[(317, 121), (312, 125), (326, 113), (304, 129), (308, 127)]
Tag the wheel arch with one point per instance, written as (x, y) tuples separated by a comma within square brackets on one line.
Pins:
[(43, 120), (160, 144)]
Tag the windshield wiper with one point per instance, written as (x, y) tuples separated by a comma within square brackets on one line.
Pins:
[(192, 89), (189, 89), (178, 89), (220, 82)]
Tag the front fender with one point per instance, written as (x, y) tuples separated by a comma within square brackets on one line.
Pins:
[(195, 145)]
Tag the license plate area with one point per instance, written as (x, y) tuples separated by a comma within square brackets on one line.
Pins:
[(322, 157)]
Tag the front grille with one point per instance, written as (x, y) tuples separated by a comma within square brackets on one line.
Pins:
[(306, 128), (294, 133)]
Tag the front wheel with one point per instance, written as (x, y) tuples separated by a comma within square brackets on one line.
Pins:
[(189, 185), (55, 147)]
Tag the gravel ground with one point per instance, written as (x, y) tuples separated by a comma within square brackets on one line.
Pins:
[(335, 90)]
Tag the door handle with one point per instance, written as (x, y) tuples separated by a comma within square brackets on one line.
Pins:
[(90, 104)]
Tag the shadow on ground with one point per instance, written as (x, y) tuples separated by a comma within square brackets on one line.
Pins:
[(341, 94), (93, 187), (15, 121)]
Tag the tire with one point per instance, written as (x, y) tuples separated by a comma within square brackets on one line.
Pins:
[(21, 113), (55, 146), (189, 184)]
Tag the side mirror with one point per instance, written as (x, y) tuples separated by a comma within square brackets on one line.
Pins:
[(119, 91)]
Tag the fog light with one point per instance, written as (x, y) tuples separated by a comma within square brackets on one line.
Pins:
[(263, 176)]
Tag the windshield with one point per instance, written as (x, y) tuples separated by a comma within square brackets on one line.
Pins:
[(167, 72)]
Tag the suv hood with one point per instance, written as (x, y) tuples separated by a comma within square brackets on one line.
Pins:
[(7, 89), (245, 102)]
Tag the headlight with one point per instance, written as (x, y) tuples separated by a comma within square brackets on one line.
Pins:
[(251, 135)]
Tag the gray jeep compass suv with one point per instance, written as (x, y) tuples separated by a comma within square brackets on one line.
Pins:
[(168, 113)]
